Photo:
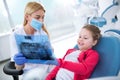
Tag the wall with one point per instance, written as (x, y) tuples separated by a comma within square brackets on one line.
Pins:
[(4, 47)]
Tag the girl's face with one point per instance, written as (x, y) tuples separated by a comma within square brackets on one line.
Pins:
[(85, 40)]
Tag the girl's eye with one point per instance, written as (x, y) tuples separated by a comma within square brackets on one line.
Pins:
[(85, 38), (79, 36)]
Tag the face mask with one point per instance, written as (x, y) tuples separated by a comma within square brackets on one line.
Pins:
[(37, 25)]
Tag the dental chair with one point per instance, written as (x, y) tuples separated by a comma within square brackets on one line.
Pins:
[(113, 32), (106, 68), (109, 50), (109, 65)]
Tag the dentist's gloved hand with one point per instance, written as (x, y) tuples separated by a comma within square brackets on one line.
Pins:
[(53, 62), (20, 59)]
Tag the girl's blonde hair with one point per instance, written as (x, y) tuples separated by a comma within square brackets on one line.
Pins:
[(32, 7)]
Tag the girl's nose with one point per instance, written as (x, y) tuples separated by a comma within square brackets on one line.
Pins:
[(80, 39)]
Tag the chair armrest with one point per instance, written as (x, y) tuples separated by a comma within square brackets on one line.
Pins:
[(106, 78), (9, 68)]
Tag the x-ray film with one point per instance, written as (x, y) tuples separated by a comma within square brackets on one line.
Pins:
[(37, 48)]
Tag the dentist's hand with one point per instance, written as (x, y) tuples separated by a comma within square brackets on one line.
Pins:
[(53, 62), (20, 59)]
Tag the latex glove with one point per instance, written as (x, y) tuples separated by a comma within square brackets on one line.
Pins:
[(20, 59), (53, 62)]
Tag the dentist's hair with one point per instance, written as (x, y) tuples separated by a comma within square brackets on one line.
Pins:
[(32, 7)]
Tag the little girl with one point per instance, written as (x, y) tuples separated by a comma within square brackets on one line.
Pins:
[(78, 64)]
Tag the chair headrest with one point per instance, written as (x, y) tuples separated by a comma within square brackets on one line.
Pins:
[(109, 50), (113, 30)]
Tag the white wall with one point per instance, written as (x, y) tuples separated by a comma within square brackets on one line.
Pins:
[(4, 47)]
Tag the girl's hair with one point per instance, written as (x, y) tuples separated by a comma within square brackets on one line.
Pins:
[(94, 30), (32, 7)]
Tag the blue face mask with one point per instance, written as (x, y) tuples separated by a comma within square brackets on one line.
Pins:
[(37, 25)]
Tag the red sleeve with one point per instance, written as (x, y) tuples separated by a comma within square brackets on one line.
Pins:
[(87, 64), (53, 73)]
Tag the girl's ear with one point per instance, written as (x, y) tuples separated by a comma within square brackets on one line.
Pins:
[(95, 42)]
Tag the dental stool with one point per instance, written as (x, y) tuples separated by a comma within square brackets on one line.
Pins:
[(9, 69)]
